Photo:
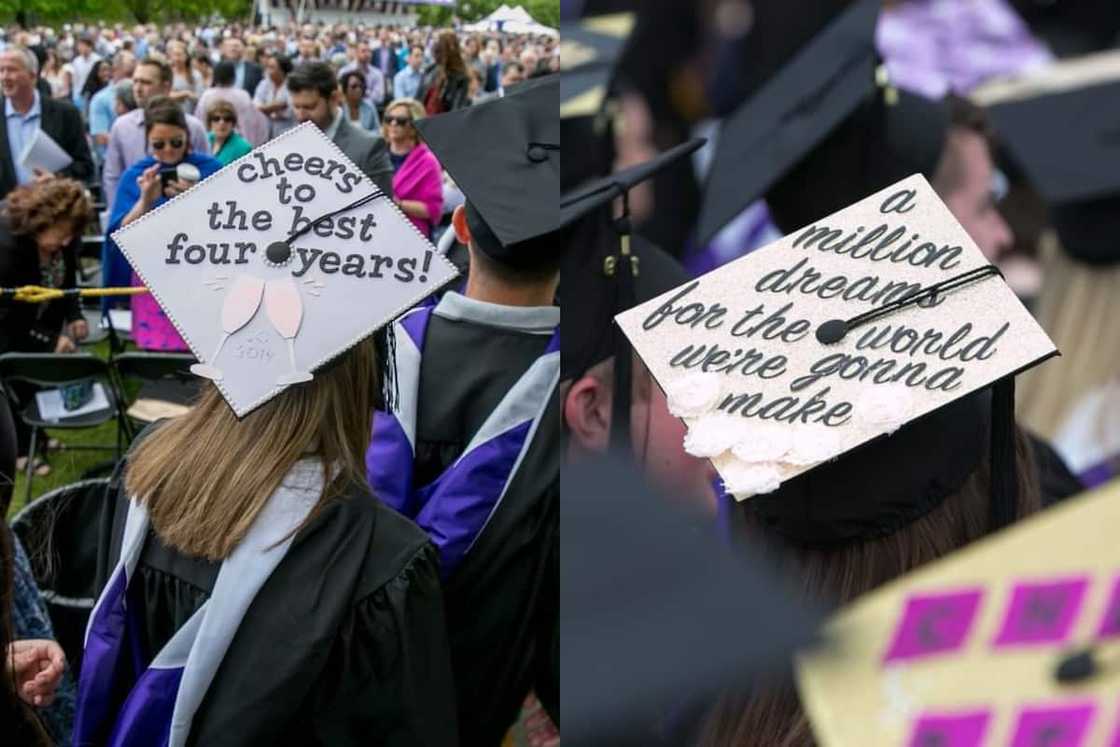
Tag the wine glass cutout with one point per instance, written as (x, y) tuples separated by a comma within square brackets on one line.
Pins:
[(240, 305), (284, 307)]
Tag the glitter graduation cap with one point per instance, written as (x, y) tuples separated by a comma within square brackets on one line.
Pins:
[(1009, 641), (279, 263), (871, 338)]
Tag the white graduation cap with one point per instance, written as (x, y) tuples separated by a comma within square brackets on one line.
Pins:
[(841, 333), (280, 262)]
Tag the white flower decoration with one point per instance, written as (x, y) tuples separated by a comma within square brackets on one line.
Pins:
[(694, 394), (885, 407), (712, 435), (744, 480), (764, 444), (813, 446)]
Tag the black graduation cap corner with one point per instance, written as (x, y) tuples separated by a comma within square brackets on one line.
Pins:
[(606, 270), (824, 128), (504, 155), (654, 611), (1067, 143)]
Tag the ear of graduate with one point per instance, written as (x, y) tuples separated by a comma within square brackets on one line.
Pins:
[(839, 334)]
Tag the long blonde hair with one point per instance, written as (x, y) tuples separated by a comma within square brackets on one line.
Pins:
[(206, 475)]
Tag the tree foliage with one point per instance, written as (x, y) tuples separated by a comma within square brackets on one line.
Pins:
[(54, 12), (546, 12)]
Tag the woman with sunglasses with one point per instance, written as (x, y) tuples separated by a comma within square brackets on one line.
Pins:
[(170, 170), (225, 144), (417, 187)]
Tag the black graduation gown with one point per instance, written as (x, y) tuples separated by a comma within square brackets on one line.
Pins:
[(502, 601), (345, 644)]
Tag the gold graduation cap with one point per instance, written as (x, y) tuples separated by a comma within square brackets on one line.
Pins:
[(1014, 640)]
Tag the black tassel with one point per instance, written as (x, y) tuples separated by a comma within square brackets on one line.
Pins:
[(1004, 482), (385, 344)]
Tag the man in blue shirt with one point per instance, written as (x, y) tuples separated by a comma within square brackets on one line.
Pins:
[(407, 82)]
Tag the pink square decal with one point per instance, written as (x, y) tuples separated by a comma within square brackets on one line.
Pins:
[(1042, 612), (950, 730), (934, 624), (1053, 726), (1110, 625)]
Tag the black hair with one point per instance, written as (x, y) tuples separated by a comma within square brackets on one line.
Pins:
[(313, 76), (164, 110), (225, 73), (284, 62), (344, 81)]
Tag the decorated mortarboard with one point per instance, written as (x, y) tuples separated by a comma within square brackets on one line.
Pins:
[(279, 263), (1075, 171), (606, 270), (1012, 640), (841, 374), (504, 155), (797, 98), (654, 612)]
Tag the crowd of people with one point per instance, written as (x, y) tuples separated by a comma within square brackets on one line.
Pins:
[(406, 641), (92, 89)]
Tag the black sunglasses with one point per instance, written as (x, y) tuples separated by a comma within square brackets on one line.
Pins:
[(402, 121), (223, 118), (175, 142)]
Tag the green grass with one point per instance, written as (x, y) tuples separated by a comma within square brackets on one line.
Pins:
[(68, 464)]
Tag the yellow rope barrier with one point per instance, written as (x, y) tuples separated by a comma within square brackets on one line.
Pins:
[(38, 294)]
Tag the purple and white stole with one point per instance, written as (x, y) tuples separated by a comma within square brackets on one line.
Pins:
[(164, 694), (455, 508)]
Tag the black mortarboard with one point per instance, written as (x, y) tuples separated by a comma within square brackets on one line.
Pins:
[(654, 611), (880, 143), (589, 51), (1060, 127), (504, 155), (798, 100), (606, 270)]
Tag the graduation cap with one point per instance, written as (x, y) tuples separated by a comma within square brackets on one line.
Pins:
[(1060, 127), (505, 156), (606, 270), (653, 610), (1009, 641), (797, 102), (280, 262), (823, 130), (589, 52), (841, 374)]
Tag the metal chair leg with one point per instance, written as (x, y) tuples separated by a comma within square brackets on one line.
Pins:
[(30, 469)]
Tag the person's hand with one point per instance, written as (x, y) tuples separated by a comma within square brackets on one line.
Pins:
[(179, 95), (36, 667), (79, 329), (65, 345), (149, 183), (177, 186), (41, 175)]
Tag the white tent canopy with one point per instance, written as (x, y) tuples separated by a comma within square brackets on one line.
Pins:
[(514, 20)]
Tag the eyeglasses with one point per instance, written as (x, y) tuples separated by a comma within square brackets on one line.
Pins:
[(175, 142), (223, 118), (402, 121)]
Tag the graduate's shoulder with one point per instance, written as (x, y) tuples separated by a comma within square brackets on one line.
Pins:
[(392, 543)]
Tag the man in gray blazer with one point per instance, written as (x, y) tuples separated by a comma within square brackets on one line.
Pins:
[(315, 96)]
